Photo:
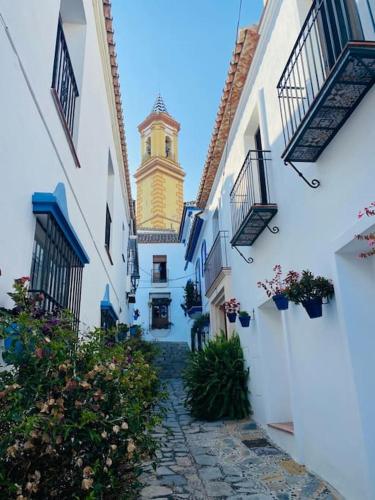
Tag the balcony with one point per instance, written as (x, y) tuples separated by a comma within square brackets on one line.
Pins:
[(217, 262), (193, 300), (330, 70), (251, 209)]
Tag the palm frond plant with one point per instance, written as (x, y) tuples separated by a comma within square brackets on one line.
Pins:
[(216, 380)]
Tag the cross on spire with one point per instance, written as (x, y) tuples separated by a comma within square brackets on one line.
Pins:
[(159, 106)]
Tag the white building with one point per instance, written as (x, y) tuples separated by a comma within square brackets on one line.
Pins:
[(303, 95), (67, 212), (161, 286)]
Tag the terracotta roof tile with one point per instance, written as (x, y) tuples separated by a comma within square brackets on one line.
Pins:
[(117, 92), (153, 236)]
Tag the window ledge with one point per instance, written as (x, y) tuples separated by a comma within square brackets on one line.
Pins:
[(65, 127), (287, 427)]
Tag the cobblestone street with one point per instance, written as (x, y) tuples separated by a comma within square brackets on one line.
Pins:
[(202, 460)]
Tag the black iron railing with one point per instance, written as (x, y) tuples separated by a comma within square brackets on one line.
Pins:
[(133, 263), (329, 26), (217, 259), (251, 187), (63, 79)]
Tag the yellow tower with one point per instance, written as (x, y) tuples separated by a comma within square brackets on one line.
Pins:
[(159, 178)]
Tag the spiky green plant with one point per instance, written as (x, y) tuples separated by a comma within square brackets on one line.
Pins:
[(216, 380)]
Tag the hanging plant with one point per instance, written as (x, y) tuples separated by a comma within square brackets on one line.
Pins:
[(191, 297), (275, 288), (231, 308), (244, 318), (309, 291)]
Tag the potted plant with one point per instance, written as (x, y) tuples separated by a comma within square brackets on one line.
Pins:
[(244, 318), (275, 288), (231, 308), (309, 290), (205, 319), (192, 305)]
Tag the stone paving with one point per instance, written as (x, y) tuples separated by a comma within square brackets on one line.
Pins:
[(204, 460)]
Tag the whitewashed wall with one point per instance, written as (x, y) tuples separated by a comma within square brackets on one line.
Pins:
[(177, 277), (318, 372), (35, 156)]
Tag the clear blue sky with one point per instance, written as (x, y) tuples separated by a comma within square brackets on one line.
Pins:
[(181, 48)]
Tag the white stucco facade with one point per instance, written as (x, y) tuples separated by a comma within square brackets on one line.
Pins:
[(316, 373), (172, 288), (36, 155)]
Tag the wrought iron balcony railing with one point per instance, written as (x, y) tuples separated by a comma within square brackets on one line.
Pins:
[(217, 260), (63, 79), (251, 209), (329, 71)]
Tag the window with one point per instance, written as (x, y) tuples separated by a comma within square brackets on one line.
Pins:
[(107, 321), (159, 269), (68, 66), (198, 276), (109, 207), (148, 146), (56, 270), (203, 255), (168, 147), (261, 168), (108, 223), (215, 224), (160, 312)]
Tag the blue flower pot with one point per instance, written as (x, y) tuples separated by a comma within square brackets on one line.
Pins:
[(244, 320), (133, 330), (281, 301), (313, 307), (232, 317)]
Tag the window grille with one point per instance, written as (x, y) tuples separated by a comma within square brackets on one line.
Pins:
[(63, 79), (56, 271)]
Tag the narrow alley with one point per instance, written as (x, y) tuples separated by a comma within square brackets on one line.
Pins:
[(224, 459)]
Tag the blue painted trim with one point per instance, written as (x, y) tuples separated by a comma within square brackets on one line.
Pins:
[(55, 205), (106, 304), (194, 237)]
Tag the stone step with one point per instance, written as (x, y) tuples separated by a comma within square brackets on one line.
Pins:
[(171, 359)]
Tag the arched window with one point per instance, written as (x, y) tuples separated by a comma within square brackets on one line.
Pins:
[(168, 147), (203, 255), (148, 146)]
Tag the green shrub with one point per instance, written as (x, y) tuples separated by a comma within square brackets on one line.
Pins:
[(216, 380), (76, 414)]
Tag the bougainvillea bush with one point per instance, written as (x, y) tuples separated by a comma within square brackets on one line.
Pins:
[(75, 413)]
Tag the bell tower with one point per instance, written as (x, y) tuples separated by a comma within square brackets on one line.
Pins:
[(159, 178)]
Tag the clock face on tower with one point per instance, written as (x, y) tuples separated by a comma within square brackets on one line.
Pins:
[(159, 178)]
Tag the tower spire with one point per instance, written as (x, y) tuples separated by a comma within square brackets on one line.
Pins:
[(159, 105)]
